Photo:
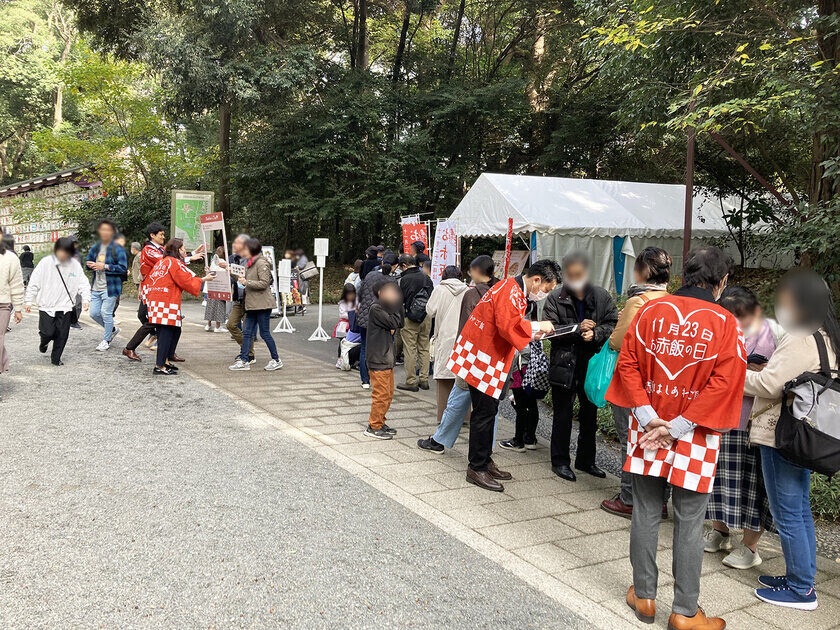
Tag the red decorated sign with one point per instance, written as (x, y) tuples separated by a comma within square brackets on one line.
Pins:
[(212, 221), (413, 232), (508, 243)]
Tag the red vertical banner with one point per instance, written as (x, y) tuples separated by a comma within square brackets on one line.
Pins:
[(413, 232), (508, 244)]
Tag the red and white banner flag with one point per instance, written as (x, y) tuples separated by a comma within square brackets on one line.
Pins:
[(446, 249)]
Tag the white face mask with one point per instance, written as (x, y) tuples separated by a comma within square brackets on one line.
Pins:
[(537, 296), (576, 286), (754, 329)]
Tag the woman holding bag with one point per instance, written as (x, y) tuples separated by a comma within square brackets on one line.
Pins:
[(651, 274)]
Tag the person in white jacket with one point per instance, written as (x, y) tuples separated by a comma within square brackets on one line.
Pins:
[(444, 306), (54, 286), (11, 296)]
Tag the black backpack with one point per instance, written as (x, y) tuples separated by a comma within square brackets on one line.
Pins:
[(808, 431), (417, 309)]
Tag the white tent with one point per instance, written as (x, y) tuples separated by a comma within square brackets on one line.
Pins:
[(611, 221)]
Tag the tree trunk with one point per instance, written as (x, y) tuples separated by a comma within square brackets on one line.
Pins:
[(224, 162), (826, 145), (456, 35), (398, 58), (363, 45)]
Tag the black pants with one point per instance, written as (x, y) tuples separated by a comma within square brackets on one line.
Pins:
[(561, 431), (55, 328), (168, 337), (527, 416), (145, 329), (482, 422)]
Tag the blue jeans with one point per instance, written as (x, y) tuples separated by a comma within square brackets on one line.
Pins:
[(457, 406), (254, 319), (788, 489), (363, 369), (102, 311)]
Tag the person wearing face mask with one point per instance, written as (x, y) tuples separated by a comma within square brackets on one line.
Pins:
[(576, 302), (680, 371), (54, 286), (738, 499), (805, 309), (651, 271), (496, 329)]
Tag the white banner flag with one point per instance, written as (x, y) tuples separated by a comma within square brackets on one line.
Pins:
[(445, 251)]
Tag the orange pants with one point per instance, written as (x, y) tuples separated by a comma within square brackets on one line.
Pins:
[(382, 382)]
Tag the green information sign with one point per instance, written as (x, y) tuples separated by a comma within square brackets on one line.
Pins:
[(187, 207)]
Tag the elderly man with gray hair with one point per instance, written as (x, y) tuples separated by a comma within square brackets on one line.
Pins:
[(236, 318)]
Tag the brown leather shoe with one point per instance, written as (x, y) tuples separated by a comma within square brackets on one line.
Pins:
[(645, 609), (698, 622), (131, 354), (483, 479), (176, 358), (617, 506), (496, 473)]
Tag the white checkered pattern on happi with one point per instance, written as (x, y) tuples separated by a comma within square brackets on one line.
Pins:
[(490, 374)]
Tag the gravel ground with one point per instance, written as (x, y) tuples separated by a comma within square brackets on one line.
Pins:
[(133, 502)]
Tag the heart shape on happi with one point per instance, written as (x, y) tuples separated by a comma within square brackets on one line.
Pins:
[(673, 371)]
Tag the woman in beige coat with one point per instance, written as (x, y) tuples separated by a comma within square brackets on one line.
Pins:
[(444, 306), (803, 306), (11, 295), (651, 273)]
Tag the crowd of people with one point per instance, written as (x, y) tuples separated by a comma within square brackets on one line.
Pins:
[(695, 395)]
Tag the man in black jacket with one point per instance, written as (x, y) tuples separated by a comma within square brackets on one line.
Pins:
[(593, 308), (416, 288)]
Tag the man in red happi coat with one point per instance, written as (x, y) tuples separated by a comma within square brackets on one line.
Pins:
[(483, 354), (681, 372)]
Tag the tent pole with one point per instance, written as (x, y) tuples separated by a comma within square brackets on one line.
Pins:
[(689, 188)]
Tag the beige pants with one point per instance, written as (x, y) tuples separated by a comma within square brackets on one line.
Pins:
[(416, 350), (5, 317)]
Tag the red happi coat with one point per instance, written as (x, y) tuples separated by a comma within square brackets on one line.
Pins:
[(684, 356), (496, 329), (150, 255), (168, 278)]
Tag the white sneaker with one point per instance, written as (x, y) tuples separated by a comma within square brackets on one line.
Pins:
[(103, 346), (715, 541), (116, 321), (206, 327), (219, 329), (274, 364), (204, 302), (240, 365), (742, 558), (365, 385), (116, 331)]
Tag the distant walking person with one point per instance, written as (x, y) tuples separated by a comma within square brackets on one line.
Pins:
[(236, 318), (55, 285), (109, 264), (416, 290), (167, 280), (259, 301), (11, 295), (27, 263)]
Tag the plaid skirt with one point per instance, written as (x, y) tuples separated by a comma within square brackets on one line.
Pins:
[(738, 497), (215, 311)]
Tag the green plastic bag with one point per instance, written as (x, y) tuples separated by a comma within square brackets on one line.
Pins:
[(599, 374)]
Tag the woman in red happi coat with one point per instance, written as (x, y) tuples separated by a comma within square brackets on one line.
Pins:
[(681, 372)]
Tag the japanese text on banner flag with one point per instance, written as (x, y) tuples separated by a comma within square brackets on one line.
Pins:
[(508, 244), (413, 232), (212, 221), (446, 249)]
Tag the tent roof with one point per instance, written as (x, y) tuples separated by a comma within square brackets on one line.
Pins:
[(588, 207)]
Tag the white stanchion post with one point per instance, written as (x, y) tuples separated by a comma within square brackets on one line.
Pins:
[(321, 248), (284, 325)]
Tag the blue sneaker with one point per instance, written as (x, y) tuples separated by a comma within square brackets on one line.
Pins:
[(773, 581), (788, 598)]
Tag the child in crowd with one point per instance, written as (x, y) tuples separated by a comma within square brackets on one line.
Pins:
[(426, 267), (739, 500), (346, 305), (384, 320), (214, 310)]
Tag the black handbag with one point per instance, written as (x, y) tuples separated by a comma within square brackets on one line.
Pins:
[(808, 431), (74, 314)]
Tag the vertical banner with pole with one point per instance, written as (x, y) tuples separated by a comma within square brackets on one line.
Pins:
[(284, 286), (413, 232), (508, 244), (219, 287), (322, 246), (445, 251)]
